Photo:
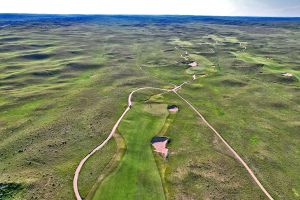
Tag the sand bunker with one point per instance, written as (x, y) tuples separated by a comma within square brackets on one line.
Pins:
[(287, 74), (193, 64), (173, 108), (160, 144)]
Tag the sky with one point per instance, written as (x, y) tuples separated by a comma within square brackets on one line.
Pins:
[(286, 8)]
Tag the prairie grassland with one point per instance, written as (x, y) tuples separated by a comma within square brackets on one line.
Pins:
[(64, 80)]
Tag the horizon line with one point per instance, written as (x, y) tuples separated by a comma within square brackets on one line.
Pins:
[(123, 14)]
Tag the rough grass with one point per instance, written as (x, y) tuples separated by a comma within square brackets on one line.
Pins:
[(271, 66), (62, 100), (204, 65), (256, 137)]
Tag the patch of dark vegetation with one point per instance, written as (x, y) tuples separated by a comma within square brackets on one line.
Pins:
[(246, 67), (168, 50), (31, 81), (75, 52), (233, 83), (156, 139), (296, 99), (137, 82), (209, 48), (10, 84), (8, 49), (123, 74), (21, 47), (11, 39), (10, 81), (296, 67), (110, 54), (83, 66), (31, 97), (66, 76), (186, 62), (12, 76), (36, 56), (61, 81), (13, 67), (129, 57), (42, 45), (205, 53), (8, 190), (287, 79), (279, 105), (46, 73)]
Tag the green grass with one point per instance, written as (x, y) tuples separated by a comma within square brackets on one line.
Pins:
[(179, 42), (204, 65), (256, 59), (61, 93), (270, 64), (219, 39), (137, 176), (255, 133), (92, 169)]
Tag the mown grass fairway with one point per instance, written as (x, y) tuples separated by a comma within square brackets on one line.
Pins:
[(137, 176)]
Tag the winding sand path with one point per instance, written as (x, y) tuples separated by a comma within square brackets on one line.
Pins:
[(76, 175)]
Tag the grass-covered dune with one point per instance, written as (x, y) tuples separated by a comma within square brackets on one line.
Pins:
[(64, 81)]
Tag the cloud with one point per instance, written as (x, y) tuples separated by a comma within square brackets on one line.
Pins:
[(266, 7), (183, 7), (193, 7)]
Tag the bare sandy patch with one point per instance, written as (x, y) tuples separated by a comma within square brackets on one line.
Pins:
[(287, 74), (160, 145), (193, 64), (173, 108)]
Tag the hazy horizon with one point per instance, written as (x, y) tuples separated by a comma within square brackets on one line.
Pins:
[(167, 15), (242, 8)]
